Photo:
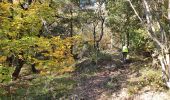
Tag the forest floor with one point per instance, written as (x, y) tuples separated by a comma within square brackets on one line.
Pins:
[(108, 79), (111, 81)]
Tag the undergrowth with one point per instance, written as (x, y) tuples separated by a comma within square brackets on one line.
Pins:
[(149, 79), (41, 88)]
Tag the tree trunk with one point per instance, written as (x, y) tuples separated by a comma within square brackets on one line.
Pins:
[(163, 66), (164, 55), (101, 34), (71, 28), (17, 69), (167, 62), (169, 12), (94, 35)]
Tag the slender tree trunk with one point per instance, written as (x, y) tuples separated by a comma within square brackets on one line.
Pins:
[(71, 23), (94, 35), (127, 32), (169, 12), (17, 70), (127, 39), (163, 65), (134, 10), (101, 34), (167, 51), (111, 42), (167, 58), (71, 28), (164, 55)]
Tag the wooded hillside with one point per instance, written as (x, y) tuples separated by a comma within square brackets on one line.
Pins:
[(74, 49)]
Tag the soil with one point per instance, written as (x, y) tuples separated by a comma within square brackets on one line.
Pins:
[(97, 87)]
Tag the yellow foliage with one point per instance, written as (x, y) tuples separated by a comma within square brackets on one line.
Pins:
[(2, 59), (23, 28), (66, 69), (61, 59)]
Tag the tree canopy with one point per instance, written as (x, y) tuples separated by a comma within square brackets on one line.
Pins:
[(58, 37)]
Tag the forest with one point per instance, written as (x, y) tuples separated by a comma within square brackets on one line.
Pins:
[(84, 49)]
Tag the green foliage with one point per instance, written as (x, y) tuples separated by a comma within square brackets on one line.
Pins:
[(150, 78), (140, 41), (5, 78), (24, 34), (121, 17), (5, 74), (41, 88), (124, 23), (98, 56), (44, 30), (52, 86)]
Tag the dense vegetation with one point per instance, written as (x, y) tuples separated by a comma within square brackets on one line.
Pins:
[(46, 44)]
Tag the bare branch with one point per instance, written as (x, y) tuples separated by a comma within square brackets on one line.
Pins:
[(151, 29), (134, 10)]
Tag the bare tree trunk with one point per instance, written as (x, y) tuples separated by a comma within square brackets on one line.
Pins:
[(169, 12), (94, 35), (167, 51), (71, 29), (134, 10), (71, 23), (167, 58), (17, 70), (127, 31), (163, 65), (164, 55), (101, 34), (150, 28), (111, 42)]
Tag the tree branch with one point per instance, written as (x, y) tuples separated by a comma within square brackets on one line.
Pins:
[(134, 10)]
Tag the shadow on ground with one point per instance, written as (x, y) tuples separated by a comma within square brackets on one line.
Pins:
[(99, 80), (41, 88)]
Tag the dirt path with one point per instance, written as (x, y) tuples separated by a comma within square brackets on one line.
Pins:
[(102, 84), (110, 83), (91, 88), (97, 87)]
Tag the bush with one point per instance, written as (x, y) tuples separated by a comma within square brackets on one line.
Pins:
[(140, 41), (149, 78), (98, 57), (5, 74)]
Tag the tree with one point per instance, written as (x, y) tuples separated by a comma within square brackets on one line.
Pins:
[(156, 23), (26, 38), (95, 17), (122, 22)]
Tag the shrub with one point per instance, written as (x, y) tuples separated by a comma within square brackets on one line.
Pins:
[(5, 74), (149, 78)]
